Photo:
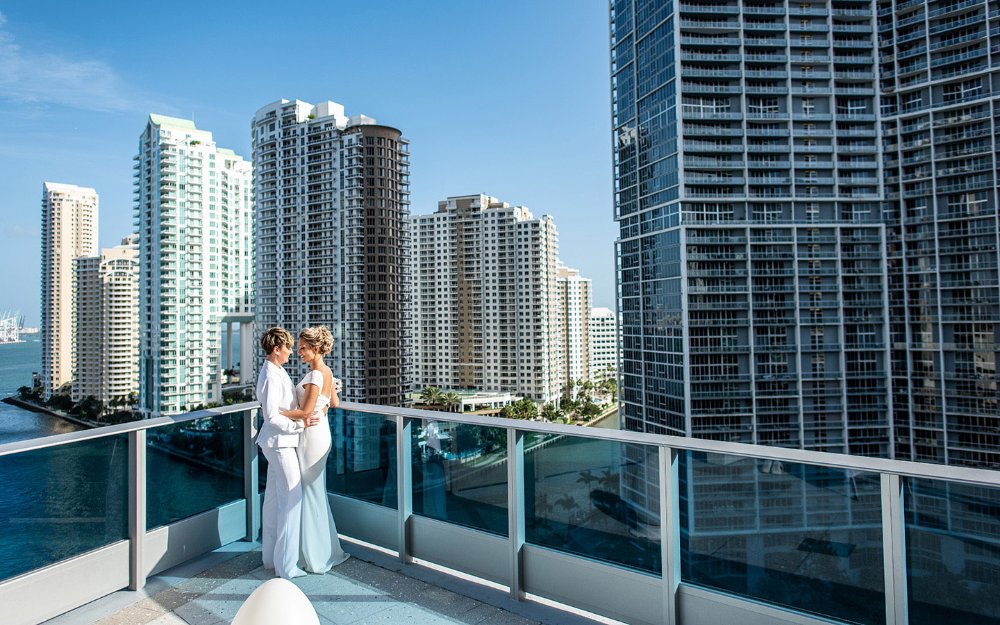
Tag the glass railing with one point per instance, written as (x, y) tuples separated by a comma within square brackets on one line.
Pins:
[(804, 537), (814, 533), (193, 467), (607, 521), (72, 495), (592, 498), (59, 502)]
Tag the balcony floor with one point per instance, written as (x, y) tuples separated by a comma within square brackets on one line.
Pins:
[(371, 588)]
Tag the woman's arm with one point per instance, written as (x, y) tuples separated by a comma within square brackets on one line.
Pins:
[(308, 405)]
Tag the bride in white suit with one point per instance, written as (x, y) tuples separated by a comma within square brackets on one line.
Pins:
[(316, 392)]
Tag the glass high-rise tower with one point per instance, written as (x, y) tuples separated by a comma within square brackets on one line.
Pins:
[(751, 258), (807, 200), (940, 110)]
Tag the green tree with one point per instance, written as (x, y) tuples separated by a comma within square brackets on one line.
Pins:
[(521, 409), (431, 396), (550, 412), (610, 386), (589, 409), (452, 400)]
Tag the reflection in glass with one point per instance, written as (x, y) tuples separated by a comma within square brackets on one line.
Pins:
[(362, 463), (460, 474), (799, 536), (193, 467), (952, 553), (598, 499), (62, 501)]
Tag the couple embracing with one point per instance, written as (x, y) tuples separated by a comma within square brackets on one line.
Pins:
[(298, 532)]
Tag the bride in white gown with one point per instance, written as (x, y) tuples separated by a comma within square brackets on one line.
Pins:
[(319, 545)]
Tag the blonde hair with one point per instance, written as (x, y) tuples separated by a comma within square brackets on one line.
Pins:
[(275, 337), (319, 338)]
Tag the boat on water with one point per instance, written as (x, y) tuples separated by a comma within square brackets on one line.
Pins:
[(10, 327)]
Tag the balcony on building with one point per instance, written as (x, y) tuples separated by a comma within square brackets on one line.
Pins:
[(633, 527)]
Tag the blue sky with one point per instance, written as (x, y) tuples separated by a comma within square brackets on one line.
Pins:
[(507, 98)]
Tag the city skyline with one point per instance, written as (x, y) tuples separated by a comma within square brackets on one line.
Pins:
[(536, 104)]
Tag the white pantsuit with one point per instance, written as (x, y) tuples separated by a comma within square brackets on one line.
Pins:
[(279, 436)]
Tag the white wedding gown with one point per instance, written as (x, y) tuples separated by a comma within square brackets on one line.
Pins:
[(319, 546)]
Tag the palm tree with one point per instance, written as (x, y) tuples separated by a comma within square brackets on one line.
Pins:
[(567, 503), (525, 409), (609, 480), (610, 386), (431, 396), (451, 399), (550, 412), (568, 391), (587, 478)]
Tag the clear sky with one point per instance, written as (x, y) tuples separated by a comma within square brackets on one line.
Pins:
[(508, 98)]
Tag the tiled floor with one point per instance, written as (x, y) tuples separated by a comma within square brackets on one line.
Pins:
[(372, 589)]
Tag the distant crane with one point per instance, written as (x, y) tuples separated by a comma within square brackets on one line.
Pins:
[(10, 327)]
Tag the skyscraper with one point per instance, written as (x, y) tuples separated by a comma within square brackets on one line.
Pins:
[(486, 299), (195, 223), (69, 230), (107, 335), (87, 327), (332, 196), (938, 71), (753, 294), (604, 350), (574, 299)]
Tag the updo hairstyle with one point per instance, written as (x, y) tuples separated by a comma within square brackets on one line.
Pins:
[(319, 338)]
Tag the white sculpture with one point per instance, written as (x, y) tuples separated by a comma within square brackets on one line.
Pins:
[(276, 601)]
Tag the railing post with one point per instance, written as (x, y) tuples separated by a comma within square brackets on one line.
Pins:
[(404, 484), (251, 477), (670, 531), (894, 550), (515, 509), (136, 507)]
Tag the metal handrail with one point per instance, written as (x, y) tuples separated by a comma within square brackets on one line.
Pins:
[(965, 475), (56, 440), (907, 468)]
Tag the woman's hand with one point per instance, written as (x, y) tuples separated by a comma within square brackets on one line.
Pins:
[(311, 421)]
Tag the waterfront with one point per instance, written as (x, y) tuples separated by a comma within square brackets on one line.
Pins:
[(17, 362), (65, 500)]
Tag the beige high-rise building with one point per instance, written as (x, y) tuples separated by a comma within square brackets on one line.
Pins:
[(107, 325), (604, 341), (485, 298), (574, 295), (69, 230)]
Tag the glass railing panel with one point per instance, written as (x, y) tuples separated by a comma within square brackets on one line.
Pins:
[(362, 463), (460, 474), (952, 553), (62, 501), (801, 537), (593, 498), (193, 467)]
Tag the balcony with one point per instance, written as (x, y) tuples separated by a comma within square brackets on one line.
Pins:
[(634, 527)]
